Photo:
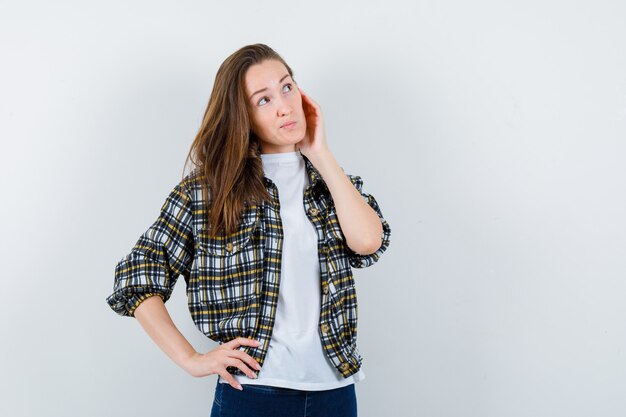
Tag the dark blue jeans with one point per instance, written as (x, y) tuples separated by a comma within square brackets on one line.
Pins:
[(268, 401)]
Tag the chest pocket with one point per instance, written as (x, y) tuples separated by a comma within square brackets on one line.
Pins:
[(230, 266)]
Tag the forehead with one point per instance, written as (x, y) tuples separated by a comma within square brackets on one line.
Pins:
[(264, 74)]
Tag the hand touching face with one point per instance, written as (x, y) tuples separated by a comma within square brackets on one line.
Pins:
[(314, 141)]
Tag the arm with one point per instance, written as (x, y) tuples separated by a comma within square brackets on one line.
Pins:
[(145, 278), (360, 223), (162, 253), (156, 321)]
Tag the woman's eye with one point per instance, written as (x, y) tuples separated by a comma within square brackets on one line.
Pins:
[(290, 88)]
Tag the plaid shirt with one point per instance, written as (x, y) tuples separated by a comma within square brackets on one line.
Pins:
[(233, 281)]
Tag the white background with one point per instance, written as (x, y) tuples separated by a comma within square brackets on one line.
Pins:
[(491, 133)]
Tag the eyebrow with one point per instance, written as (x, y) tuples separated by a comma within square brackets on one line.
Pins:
[(263, 89)]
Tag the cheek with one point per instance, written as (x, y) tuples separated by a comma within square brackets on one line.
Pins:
[(266, 122), (263, 123), (256, 119)]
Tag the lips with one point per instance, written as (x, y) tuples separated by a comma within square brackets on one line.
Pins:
[(287, 124)]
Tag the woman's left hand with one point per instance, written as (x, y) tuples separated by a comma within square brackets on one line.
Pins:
[(314, 141)]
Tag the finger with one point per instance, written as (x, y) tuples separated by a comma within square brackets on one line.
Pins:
[(241, 341), (306, 97), (239, 364), (315, 108), (308, 106), (230, 379), (311, 101), (249, 360)]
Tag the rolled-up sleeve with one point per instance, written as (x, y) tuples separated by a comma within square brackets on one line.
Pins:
[(162, 253), (362, 261)]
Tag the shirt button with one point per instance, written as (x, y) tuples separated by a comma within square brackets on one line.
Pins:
[(344, 366), (229, 246), (325, 288), (313, 211), (325, 328)]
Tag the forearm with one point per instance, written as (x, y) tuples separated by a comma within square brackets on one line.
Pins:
[(156, 321), (358, 221)]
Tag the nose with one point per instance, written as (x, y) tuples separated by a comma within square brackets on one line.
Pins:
[(282, 107)]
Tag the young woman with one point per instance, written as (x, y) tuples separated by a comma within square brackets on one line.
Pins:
[(265, 230)]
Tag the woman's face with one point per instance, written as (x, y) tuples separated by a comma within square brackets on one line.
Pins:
[(273, 100)]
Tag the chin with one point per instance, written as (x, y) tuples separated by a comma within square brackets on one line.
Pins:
[(295, 137), (301, 134)]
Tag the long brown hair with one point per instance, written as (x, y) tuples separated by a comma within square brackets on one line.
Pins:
[(225, 152)]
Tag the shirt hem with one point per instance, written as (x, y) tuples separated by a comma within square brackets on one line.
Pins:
[(306, 386)]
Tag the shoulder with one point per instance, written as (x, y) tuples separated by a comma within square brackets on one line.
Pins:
[(190, 187)]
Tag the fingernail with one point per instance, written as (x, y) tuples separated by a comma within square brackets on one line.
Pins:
[(239, 387), (258, 367)]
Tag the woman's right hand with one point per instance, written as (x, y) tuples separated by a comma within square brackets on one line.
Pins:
[(217, 360)]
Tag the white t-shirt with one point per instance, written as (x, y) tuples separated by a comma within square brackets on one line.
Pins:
[(296, 358)]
